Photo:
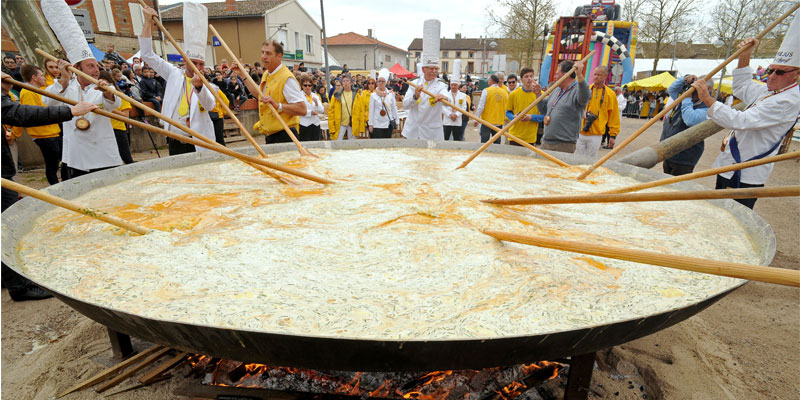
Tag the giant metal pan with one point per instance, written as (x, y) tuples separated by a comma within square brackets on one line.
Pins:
[(366, 355)]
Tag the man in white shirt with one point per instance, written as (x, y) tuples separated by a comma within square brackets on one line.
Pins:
[(772, 111), (186, 99)]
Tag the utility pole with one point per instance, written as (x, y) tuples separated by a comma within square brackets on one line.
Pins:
[(25, 24), (325, 45)]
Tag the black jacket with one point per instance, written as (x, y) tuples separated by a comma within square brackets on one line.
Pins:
[(15, 114), (150, 88)]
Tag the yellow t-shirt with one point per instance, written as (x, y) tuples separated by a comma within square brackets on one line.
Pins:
[(517, 101), (218, 108), (117, 124), (38, 132), (347, 106)]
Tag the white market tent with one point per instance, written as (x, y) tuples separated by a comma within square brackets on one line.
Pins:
[(698, 67)]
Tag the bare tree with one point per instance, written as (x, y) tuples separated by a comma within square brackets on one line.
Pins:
[(733, 20), (664, 21), (632, 9), (768, 12), (523, 24)]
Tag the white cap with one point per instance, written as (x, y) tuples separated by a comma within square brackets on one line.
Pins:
[(373, 74), (430, 42), (789, 52), (195, 30), (63, 23), (456, 75), (384, 74)]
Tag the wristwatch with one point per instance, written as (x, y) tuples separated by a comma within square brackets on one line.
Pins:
[(280, 107)]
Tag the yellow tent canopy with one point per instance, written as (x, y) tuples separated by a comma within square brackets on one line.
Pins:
[(654, 83), (727, 84)]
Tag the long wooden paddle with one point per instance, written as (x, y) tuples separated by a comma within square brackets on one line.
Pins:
[(779, 276), (492, 127), (254, 161), (708, 172), (526, 110), (680, 98), (746, 193), (73, 206)]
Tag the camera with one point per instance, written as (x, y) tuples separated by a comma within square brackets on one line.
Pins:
[(590, 118)]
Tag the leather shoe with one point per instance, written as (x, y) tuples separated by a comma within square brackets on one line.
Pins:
[(30, 292)]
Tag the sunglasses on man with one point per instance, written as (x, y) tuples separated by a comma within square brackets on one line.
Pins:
[(778, 72)]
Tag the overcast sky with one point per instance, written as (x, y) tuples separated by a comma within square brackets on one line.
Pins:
[(399, 22)]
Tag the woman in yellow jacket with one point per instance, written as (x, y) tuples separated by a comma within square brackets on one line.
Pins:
[(361, 109), (335, 111)]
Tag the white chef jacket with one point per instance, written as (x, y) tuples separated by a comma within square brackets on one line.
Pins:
[(622, 102), (95, 147), (461, 101), (758, 128), (424, 120), (201, 103), (308, 119), (376, 105)]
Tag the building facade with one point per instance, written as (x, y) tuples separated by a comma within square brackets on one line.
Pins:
[(245, 28), (365, 52), (476, 55)]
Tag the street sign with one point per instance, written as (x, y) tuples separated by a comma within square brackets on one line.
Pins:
[(289, 56), (298, 54), (85, 22), (215, 42)]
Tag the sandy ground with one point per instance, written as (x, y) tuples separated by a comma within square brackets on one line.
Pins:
[(747, 346)]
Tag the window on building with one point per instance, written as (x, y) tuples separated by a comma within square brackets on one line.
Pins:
[(387, 58), (309, 41), (282, 37), (445, 54), (445, 66), (416, 54), (137, 18), (471, 67), (297, 41), (458, 54), (104, 15), (471, 54)]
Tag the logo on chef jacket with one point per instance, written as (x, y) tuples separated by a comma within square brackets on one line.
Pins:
[(460, 101)]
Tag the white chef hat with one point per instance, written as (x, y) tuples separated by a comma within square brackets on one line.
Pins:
[(65, 26), (373, 74), (384, 74), (456, 75), (789, 52), (430, 42), (195, 30)]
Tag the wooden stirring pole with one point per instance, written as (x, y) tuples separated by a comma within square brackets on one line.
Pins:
[(492, 127), (187, 61), (757, 273), (255, 161), (214, 145), (72, 206), (525, 111), (746, 193), (708, 172), (680, 98), (303, 150)]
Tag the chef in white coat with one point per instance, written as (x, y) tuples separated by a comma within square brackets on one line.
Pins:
[(186, 99), (89, 142), (452, 117), (424, 119), (772, 110)]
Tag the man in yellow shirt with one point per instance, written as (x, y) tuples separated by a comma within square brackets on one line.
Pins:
[(46, 136), (602, 110), (492, 108), (527, 127)]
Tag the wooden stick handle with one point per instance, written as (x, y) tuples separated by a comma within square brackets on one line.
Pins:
[(525, 111), (492, 127), (72, 206), (236, 60), (106, 373), (258, 163), (680, 98), (757, 273), (746, 193), (708, 172)]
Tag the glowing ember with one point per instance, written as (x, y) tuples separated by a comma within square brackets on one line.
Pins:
[(502, 383)]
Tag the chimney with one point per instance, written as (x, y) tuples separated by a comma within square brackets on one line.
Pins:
[(369, 33), (230, 5), (458, 36)]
